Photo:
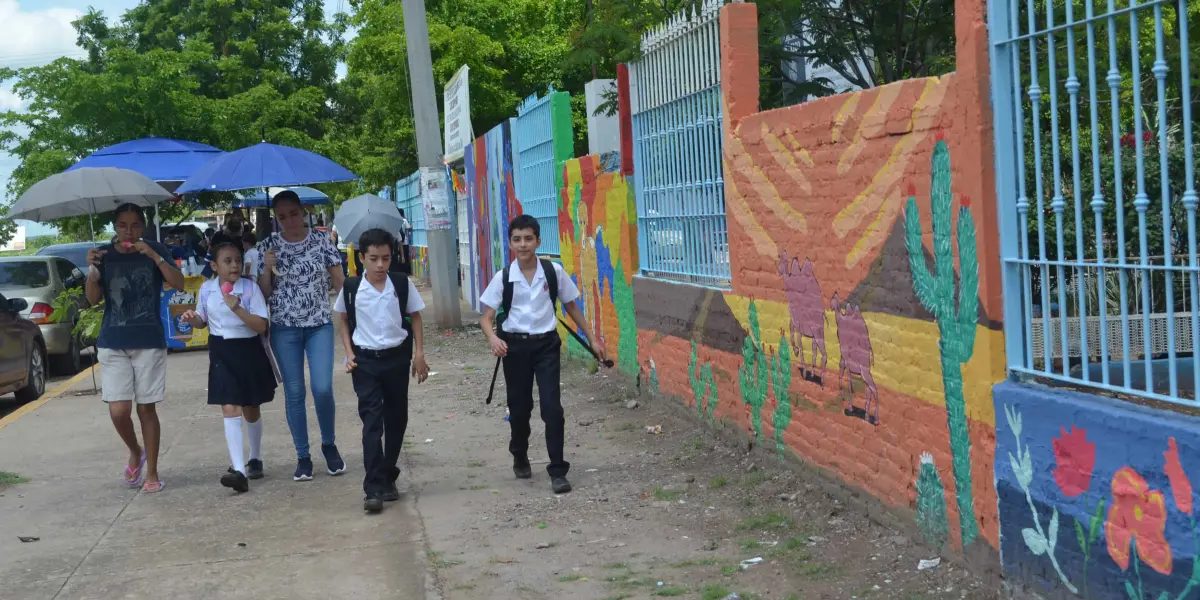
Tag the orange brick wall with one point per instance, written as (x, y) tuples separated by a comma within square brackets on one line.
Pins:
[(826, 183)]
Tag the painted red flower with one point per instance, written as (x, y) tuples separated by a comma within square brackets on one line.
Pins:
[(1075, 457), (1181, 486), (1139, 516)]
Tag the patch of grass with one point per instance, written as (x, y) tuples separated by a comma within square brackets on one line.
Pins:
[(770, 520), (627, 426), (714, 591), (670, 590), (794, 543), (571, 577), (816, 571), (541, 525), (663, 494), (465, 586), (718, 482), (756, 478), (749, 502), (695, 444), (616, 566), (438, 563), (750, 544), (7, 478), (728, 570), (627, 582), (476, 488), (475, 464), (697, 562), (618, 597)]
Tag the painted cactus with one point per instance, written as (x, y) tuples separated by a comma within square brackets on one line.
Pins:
[(781, 380), (704, 387), (752, 375), (931, 504), (956, 324)]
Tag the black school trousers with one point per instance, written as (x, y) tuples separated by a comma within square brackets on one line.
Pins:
[(529, 359), (381, 383)]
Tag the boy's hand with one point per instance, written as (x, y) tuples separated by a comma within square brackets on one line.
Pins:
[(350, 363), (598, 346), (499, 348), (420, 369)]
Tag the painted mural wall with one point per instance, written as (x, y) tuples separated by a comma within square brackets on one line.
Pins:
[(597, 224), (1096, 499), (865, 293), (492, 202)]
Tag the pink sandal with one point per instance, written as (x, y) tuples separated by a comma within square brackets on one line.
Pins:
[(153, 487), (133, 477)]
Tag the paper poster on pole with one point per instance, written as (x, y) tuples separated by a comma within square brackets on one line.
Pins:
[(435, 195), (456, 98)]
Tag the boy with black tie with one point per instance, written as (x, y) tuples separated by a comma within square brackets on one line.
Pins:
[(526, 337), (381, 334)]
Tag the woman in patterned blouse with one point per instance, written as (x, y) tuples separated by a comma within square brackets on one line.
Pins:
[(296, 272)]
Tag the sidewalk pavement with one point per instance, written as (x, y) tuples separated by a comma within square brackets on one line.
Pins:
[(99, 539)]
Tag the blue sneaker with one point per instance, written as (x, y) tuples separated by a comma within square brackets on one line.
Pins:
[(303, 470), (334, 464)]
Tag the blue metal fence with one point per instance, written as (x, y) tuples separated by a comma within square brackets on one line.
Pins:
[(1100, 281), (534, 179), (408, 199), (675, 93)]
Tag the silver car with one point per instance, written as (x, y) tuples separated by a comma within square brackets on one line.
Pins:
[(39, 280)]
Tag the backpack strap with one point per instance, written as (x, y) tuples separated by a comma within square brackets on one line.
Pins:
[(506, 300), (349, 291), (551, 282)]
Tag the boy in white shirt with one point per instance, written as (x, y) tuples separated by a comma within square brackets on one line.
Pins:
[(382, 347), (527, 339), (253, 256)]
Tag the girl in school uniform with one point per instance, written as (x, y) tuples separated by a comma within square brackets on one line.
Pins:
[(240, 375)]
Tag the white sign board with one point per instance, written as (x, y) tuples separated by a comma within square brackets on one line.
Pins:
[(435, 195), (457, 100), (18, 240)]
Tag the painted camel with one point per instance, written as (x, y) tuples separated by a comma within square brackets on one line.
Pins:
[(807, 308), (857, 357)]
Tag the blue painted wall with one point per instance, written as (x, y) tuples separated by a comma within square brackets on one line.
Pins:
[(1095, 496)]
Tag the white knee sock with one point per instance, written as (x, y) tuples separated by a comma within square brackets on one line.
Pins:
[(255, 430), (233, 439)]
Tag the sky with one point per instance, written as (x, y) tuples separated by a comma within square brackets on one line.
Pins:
[(34, 32)]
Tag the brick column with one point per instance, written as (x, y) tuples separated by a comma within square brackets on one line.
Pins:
[(739, 63)]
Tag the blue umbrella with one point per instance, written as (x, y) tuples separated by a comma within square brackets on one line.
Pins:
[(264, 165), (160, 159), (260, 199)]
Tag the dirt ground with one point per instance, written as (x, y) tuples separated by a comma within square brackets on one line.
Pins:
[(680, 513)]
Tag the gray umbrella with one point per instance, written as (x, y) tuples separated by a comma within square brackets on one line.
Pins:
[(86, 192), (364, 212)]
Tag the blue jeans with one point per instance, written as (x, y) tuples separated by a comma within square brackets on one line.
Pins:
[(290, 345)]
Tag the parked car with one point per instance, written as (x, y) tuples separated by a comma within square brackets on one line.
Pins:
[(39, 280), (22, 352), (74, 252)]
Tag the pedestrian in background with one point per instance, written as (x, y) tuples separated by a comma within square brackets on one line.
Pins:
[(298, 267), (240, 377), (128, 275), (383, 340), (526, 337)]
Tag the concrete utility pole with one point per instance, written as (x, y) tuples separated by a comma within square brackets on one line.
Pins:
[(443, 248)]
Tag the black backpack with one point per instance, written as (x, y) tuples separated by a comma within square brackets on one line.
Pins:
[(506, 301), (399, 285)]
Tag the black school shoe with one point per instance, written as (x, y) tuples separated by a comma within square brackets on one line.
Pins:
[(560, 485), (373, 504), (254, 469), (392, 493), (522, 470), (235, 481)]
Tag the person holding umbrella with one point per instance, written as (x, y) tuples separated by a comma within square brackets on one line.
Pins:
[(297, 268), (128, 275)]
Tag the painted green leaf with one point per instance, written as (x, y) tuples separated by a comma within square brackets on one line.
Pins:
[(1094, 526), (1052, 532), (1129, 590), (1035, 541), (1081, 536)]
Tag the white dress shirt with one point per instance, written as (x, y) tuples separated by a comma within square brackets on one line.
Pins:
[(531, 311), (378, 322), (221, 320), (253, 257)]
